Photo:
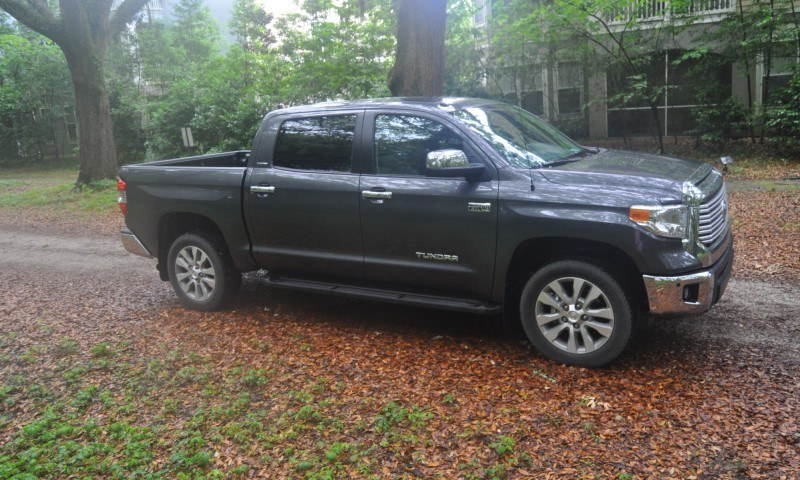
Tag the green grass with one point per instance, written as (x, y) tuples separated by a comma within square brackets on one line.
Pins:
[(53, 188)]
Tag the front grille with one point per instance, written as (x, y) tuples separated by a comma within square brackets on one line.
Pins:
[(714, 219)]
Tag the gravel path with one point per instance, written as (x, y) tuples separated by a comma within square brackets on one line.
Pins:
[(755, 313)]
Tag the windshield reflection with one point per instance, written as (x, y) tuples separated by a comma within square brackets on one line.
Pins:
[(523, 139)]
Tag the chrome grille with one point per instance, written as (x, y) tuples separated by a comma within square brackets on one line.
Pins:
[(714, 219)]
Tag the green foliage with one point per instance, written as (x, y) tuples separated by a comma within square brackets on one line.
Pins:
[(327, 51), (503, 446), (332, 51), (123, 67), (396, 415), (464, 69), (517, 32), (194, 32), (783, 119), (250, 23), (255, 378), (177, 61), (101, 350), (35, 89), (717, 123), (66, 347)]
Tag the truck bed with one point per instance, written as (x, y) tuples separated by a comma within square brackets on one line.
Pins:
[(225, 159)]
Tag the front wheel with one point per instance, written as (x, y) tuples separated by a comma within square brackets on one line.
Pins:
[(576, 313), (201, 272)]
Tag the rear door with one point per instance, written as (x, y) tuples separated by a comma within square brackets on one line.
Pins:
[(303, 197), (432, 234)]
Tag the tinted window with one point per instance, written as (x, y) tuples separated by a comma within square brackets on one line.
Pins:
[(317, 143), (403, 141)]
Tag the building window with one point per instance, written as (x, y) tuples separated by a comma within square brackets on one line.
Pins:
[(483, 12), (675, 104), (524, 87), (570, 87), (785, 59)]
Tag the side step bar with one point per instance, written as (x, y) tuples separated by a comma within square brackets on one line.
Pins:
[(403, 298)]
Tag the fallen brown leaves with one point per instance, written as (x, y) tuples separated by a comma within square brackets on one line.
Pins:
[(766, 228), (290, 384), (321, 371)]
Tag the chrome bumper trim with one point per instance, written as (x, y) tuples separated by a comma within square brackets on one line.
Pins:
[(665, 294), (132, 244), (689, 294)]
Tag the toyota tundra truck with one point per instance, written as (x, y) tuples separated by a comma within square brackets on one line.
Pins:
[(461, 204)]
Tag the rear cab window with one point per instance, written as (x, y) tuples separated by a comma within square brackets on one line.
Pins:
[(320, 143)]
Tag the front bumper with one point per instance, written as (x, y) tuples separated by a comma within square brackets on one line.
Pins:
[(689, 294), (132, 243)]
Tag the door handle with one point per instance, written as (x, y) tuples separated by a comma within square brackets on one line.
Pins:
[(262, 189), (373, 195)]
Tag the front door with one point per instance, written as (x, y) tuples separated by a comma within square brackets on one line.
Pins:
[(435, 234)]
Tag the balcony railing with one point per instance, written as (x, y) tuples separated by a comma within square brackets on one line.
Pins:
[(153, 5), (656, 10)]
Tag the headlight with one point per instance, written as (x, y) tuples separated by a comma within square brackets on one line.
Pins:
[(665, 221)]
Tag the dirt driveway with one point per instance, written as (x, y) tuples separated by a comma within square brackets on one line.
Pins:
[(405, 393)]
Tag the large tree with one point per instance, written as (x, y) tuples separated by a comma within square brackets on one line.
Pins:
[(419, 59), (83, 30)]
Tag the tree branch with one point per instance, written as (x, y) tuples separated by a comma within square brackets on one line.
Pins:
[(124, 14), (36, 15)]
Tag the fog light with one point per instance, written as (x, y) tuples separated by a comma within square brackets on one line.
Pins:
[(691, 293)]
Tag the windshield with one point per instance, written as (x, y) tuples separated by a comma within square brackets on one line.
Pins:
[(522, 138)]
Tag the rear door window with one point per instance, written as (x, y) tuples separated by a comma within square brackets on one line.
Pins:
[(323, 143)]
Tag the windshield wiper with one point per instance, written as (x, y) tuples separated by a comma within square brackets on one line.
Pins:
[(570, 157)]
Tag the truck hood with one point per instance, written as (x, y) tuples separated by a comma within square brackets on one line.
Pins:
[(655, 176)]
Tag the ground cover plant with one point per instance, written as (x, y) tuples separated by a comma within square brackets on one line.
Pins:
[(103, 375)]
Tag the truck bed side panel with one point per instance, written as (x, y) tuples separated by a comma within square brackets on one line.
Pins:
[(212, 192)]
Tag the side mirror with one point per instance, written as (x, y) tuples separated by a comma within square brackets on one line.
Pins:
[(452, 163)]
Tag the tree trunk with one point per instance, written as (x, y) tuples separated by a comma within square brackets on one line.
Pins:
[(96, 149), (419, 60), (657, 122), (750, 124), (767, 71)]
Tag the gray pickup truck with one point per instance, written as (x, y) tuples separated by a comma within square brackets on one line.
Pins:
[(460, 204)]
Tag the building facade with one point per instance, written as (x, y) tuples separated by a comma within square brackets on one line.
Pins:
[(586, 98)]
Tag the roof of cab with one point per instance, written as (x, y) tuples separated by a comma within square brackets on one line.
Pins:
[(421, 103)]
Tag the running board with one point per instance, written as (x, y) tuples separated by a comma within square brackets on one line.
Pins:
[(389, 296)]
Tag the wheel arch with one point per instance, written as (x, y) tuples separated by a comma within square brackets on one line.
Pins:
[(173, 225), (535, 253)]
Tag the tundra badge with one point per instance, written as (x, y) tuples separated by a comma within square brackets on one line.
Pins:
[(437, 256), (479, 207)]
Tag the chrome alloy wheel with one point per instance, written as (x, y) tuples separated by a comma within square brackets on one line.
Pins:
[(195, 273), (574, 315)]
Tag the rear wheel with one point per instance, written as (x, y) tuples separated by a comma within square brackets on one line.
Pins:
[(201, 272), (576, 313)]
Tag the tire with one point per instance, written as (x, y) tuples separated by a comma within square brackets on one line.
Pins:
[(589, 334), (201, 271)]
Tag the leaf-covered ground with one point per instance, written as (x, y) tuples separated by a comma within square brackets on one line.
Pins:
[(103, 374)]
